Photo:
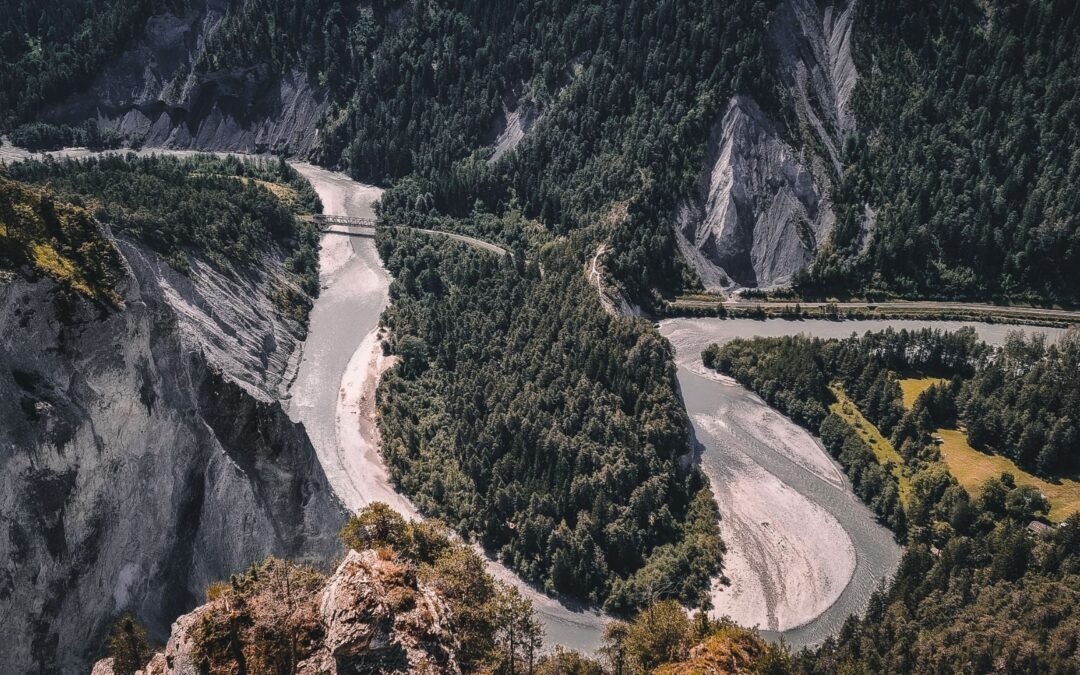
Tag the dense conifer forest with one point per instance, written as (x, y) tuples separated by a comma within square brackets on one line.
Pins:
[(575, 477), (964, 154), (522, 413), (968, 153), (224, 210), (627, 93), (975, 592)]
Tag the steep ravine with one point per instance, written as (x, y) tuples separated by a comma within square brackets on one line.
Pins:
[(762, 211), (331, 378), (143, 455)]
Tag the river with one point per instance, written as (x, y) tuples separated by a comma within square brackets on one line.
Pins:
[(342, 349), (803, 552), (332, 394)]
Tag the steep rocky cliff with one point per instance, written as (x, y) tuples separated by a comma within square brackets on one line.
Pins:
[(142, 453), (153, 91), (813, 64), (373, 615), (762, 210), (763, 205), (512, 128)]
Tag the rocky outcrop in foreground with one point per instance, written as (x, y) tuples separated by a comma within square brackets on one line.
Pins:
[(374, 614), (728, 651)]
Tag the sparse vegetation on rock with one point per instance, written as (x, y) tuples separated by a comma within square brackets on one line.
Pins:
[(41, 232)]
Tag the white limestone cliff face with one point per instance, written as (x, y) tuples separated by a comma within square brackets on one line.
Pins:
[(763, 205), (762, 212), (812, 47), (150, 90), (143, 454), (232, 319), (514, 126)]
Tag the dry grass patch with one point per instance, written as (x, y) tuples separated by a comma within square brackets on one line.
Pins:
[(912, 387), (883, 450), (973, 468), (286, 194)]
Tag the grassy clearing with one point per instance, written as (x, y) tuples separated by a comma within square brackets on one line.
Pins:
[(868, 432), (286, 194), (56, 239), (912, 387), (973, 468)]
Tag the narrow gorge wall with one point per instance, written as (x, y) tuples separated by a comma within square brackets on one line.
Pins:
[(143, 455), (763, 205), (152, 91)]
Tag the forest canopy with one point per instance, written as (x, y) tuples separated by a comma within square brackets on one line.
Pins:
[(38, 231), (958, 181), (968, 153), (1018, 400), (226, 211), (223, 208), (523, 414), (49, 48)]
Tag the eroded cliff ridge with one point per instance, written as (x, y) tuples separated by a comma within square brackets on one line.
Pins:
[(143, 452), (763, 205), (157, 90)]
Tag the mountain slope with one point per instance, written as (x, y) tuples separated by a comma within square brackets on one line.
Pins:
[(764, 208), (932, 144), (967, 154), (158, 91)]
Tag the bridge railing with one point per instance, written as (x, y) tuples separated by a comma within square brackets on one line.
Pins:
[(325, 222)]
